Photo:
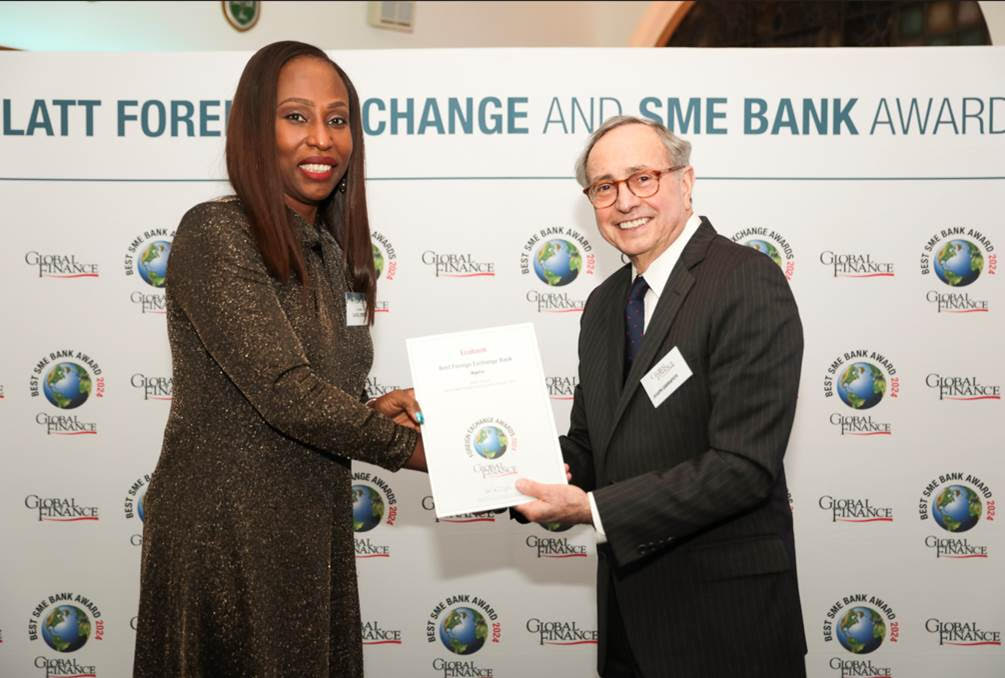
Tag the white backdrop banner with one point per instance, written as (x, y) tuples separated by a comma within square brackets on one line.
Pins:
[(873, 178)]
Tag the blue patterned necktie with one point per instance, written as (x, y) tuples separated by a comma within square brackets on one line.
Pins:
[(635, 316)]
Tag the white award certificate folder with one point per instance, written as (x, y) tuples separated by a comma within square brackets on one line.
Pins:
[(488, 418)]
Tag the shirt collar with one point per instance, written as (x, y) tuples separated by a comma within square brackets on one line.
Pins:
[(659, 270)]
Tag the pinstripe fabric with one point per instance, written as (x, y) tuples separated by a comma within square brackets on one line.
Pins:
[(692, 494)]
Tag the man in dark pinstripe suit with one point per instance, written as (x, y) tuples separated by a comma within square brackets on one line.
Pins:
[(689, 362)]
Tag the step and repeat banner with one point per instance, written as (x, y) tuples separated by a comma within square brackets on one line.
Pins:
[(873, 178)]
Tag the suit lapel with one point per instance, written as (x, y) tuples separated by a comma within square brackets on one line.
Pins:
[(676, 291)]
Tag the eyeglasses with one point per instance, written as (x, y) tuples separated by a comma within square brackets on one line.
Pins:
[(642, 184)]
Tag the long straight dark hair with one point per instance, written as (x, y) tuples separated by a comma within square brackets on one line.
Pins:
[(254, 173)]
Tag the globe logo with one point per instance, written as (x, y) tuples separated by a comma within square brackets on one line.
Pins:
[(491, 442), (153, 262), (378, 260), (959, 263), (861, 386), (556, 527), (557, 262), (367, 508), (67, 385), (66, 628), (463, 630), (765, 247), (861, 630), (956, 508), (139, 506)]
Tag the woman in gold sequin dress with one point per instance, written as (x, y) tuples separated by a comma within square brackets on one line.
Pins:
[(248, 564)]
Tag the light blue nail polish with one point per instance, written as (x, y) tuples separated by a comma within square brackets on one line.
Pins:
[(419, 418)]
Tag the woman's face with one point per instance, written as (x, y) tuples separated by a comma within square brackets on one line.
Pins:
[(313, 137)]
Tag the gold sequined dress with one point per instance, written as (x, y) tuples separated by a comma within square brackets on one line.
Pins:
[(248, 565)]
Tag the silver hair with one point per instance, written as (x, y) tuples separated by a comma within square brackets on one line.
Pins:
[(678, 150)]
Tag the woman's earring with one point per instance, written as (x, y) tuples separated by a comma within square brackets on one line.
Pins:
[(341, 185)]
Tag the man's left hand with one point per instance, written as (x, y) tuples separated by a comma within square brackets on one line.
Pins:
[(554, 503)]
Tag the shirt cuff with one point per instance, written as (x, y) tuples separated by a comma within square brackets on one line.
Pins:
[(595, 516)]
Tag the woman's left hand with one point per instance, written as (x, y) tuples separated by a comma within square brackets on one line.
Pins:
[(400, 406)]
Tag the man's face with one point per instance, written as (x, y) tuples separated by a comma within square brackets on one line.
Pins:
[(641, 228)]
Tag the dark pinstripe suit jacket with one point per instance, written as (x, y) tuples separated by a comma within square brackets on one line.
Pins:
[(692, 494)]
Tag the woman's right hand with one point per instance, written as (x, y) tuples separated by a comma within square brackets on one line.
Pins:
[(400, 406)]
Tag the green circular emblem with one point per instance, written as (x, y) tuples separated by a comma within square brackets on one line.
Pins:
[(242, 14)]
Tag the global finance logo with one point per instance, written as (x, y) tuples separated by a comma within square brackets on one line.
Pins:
[(958, 256), (152, 387), (861, 379), (563, 632), (480, 517), (376, 633), (856, 265), (59, 265), (770, 243), (146, 260), (373, 504), (60, 509), (132, 507), (376, 388), (64, 667), (962, 633), (861, 624), (385, 265), (561, 387), (66, 622), (556, 257), (956, 502), (551, 546), (962, 387), (457, 265), (855, 510)]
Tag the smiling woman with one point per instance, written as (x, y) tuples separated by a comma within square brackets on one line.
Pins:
[(248, 562)]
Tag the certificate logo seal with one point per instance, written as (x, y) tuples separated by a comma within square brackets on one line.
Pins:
[(490, 438)]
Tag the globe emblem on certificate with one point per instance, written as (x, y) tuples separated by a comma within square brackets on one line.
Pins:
[(959, 263), (66, 628), (557, 262), (861, 386), (463, 630), (67, 385), (956, 508), (490, 442), (861, 630), (153, 261)]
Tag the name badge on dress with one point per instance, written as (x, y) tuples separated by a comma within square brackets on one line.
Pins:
[(666, 377), (355, 309)]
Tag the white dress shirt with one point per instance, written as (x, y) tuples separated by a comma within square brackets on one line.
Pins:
[(656, 276)]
